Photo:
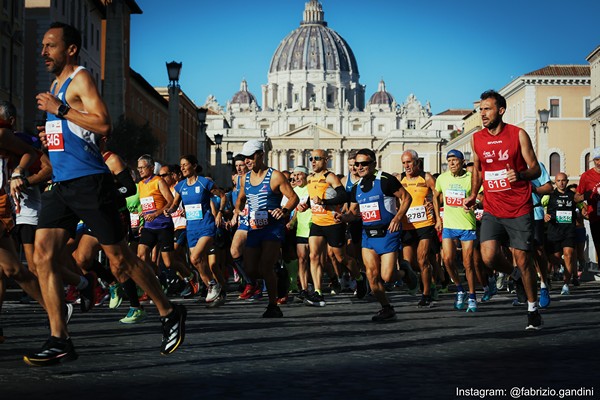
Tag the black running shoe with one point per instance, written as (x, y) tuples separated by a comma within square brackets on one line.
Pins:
[(335, 286), (425, 302), (386, 314), (301, 296), (315, 299), (173, 326), (534, 321), (272, 311), (53, 352), (88, 295), (361, 287)]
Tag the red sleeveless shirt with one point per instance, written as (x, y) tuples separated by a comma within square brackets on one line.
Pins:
[(501, 198)]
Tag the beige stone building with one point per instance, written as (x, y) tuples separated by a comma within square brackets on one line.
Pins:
[(594, 100)]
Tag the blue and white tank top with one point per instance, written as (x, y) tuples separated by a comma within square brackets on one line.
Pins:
[(261, 199), (196, 202), (73, 150), (243, 216), (376, 209)]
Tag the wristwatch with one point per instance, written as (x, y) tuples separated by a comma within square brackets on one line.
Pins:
[(63, 109)]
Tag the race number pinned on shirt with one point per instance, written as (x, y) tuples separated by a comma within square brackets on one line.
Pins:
[(259, 219), (370, 212), (455, 198), (416, 214), (564, 217), (148, 204), (496, 181), (318, 209), (193, 212), (54, 136), (135, 220)]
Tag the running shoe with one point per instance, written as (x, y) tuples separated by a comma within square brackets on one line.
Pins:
[(282, 300), (214, 290), (315, 299), (501, 281), (247, 293), (460, 300), (88, 294), (257, 294), (144, 299), (443, 289), (173, 326), (134, 316), (72, 294), (435, 294), (68, 311), (301, 296), (335, 286), (219, 301), (425, 302), (187, 291), (534, 321), (53, 352), (544, 298), (386, 314), (565, 290), (102, 296), (361, 287), (472, 305), (116, 295), (272, 311)]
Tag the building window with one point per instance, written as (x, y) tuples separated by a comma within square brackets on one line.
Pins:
[(292, 127), (554, 108), (357, 127), (330, 98), (450, 127), (329, 160), (264, 127), (554, 164), (291, 161), (330, 127), (241, 126), (586, 107), (380, 127), (411, 124), (586, 166), (296, 97)]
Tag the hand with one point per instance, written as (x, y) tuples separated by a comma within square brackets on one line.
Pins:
[(234, 219), (438, 226), (547, 217), (48, 102), (470, 202), (316, 200), (150, 217), (277, 213), (302, 207), (395, 225), (511, 174)]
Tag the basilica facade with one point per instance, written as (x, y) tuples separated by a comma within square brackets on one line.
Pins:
[(313, 99)]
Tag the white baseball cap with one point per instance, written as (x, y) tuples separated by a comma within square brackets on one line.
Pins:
[(251, 147)]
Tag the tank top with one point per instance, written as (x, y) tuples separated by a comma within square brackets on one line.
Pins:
[(501, 198), (322, 215), (376, 209), (179, 221), (72, 149), (243, 216), (417, 215), (261, 199), (152, 199), (196, 198)]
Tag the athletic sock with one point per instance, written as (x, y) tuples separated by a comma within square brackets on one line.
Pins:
[(543, 285), (473, 296), (531, 307), (459, 288)]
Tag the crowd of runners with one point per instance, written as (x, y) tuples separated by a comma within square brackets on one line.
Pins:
[(94, 231)]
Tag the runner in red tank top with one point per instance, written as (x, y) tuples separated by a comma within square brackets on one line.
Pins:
[(505, 162)]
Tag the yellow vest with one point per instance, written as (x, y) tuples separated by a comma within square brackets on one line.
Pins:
[(317, 186)]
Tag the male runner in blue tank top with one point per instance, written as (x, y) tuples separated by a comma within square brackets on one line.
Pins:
[(83, 189), (263, 188), (374, 199)]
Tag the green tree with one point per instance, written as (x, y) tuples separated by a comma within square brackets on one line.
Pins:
[(130, 140)]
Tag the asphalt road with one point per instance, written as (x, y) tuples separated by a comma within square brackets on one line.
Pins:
[(334, 352)]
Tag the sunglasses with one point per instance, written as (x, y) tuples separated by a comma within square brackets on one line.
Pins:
[(316, 158), (362, 163), (163, 175)]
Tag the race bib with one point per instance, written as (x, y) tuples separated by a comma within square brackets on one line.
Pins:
[(54, 136), (496, 181), (454, 198), (148, 204), (478, 214), (318, 209), (135, 220), (564, 217), (193, 212), (370, 212), (259, 219), (416, 214)]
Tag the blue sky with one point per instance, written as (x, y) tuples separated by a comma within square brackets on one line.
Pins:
[(445, 52)]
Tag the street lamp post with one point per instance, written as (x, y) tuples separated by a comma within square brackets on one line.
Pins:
[(543, 141), (229, 157), (173, 135), (218, 160)]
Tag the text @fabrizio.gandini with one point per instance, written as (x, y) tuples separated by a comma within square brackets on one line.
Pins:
[(525, 392)]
